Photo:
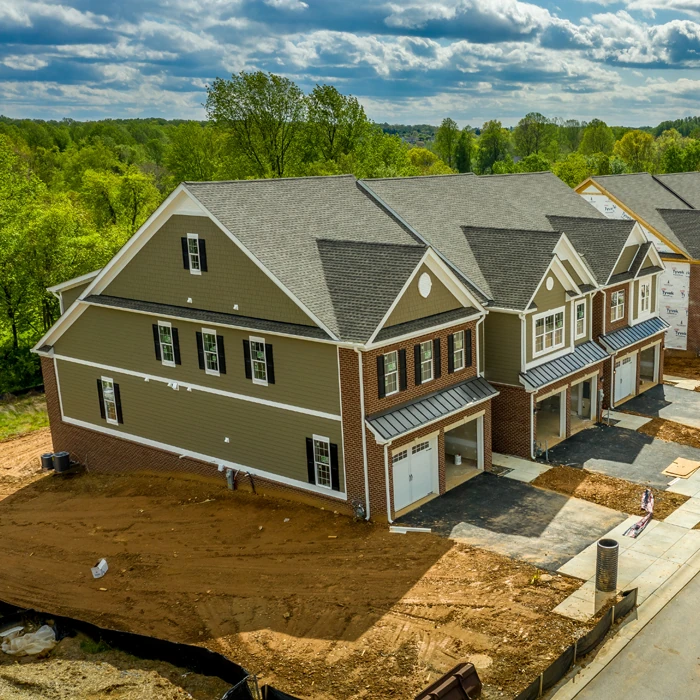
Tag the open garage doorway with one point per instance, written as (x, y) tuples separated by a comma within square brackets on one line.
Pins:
[(551, 420), (464, 451), (582, 404), (648, 367)]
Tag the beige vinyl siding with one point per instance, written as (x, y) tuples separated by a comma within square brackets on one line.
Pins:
[(70, 295), (262, 437), (306, 373), (589, 311), (648, 262), (413, 306), (544, 300), (157, 274), (572, 272), (502, 347), (626, 258), (654, 292)]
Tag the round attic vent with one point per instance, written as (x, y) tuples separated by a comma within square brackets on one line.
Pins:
[(550, 284), (425, 284)]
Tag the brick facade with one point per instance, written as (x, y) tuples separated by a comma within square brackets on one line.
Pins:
[(105, 453), (373, 404)]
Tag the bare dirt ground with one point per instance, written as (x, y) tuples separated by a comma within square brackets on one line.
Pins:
[(672, 432), (318, 606), (609, 491), (688, 367), (19, 460), (78, 669)]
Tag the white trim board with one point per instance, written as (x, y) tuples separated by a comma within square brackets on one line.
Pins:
[(339, 495), (199, 387), (76, 281)]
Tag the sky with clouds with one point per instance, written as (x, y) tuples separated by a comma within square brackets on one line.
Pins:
[(632, 62)]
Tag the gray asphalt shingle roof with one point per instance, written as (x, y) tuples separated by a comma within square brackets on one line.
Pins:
[(599, 241), (685, 185), (500, 253), (437, 207), (584, 355), (410, 416), (281, 222), (644, 196), (685, 223)]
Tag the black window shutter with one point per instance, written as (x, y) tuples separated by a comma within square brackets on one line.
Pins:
[(450, 354), (101, 396), (200, 350), (310, 460), (222, 355), (156, 341), (270, 361), (185, 253), (335, 469), (176, 345), (468, 347), (416, 362), (403, 384), (118, 401), (246, 359), (437, 359), (381, 383), (203, 255)]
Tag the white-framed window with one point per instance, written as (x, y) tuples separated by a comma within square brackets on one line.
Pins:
[(211, 352), (391, 372), (110, 401), (458, 350), (426, 361), (398, 456), (322, 461), (644, 297), (258, 361), (193, 252), (167, 346), (617, 305), (549, 331), (420, 447), (580, 312)]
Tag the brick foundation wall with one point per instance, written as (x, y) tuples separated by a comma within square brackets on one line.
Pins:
[(373, 404), (377, 468), (694, 310), (511, 424), (105, 453)]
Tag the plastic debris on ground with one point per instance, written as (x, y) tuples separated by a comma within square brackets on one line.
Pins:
[(648, 506), (100, 569), (18, 644)]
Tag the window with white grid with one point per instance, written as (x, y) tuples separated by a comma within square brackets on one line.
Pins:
[(322, 461), (167, 348), (211, 353), (193, 252), (426, 361), (458, 350), (580, 319), (391, 372), (617, 305), (420, 447), (644, 297), (549, 331), (258, 360)]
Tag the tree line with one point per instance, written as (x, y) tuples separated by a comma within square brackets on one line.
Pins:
[(72, 193)]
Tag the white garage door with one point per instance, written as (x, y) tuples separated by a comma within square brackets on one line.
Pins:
[(414, 470), (625, 375)]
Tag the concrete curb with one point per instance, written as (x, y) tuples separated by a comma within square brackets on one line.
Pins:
[(646, 612)]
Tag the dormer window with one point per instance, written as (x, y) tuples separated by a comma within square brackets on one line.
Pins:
[(194, 254)]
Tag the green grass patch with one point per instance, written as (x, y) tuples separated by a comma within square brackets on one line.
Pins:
[(22, 415), (90, 646)]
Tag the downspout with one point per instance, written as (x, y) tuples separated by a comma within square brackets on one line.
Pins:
[(386, 475), (523, 342), (479, 368), (364, 437), (532, 426)]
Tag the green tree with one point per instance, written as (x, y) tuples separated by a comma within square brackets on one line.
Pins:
[(636, 148), (534, 163), (336, 122), (691, 156), (494, 145), (599, 164), (569, 134), (464, 151), (533, 134), (446, 139), (573, 169), (427, 162), (264, 114), (194, 152), (597, 137)]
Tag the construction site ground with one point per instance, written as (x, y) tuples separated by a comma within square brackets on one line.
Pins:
[(313, 603), (687, 367)]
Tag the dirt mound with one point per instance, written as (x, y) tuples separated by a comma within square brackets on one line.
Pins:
[(314, 603), (20, 460), (609, 491)]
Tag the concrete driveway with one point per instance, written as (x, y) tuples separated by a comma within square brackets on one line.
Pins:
[(516, 519), (669, 402), (623, 453)]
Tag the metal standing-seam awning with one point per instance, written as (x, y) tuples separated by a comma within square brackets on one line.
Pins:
[(428, 409), (584, 355), (619, 340)]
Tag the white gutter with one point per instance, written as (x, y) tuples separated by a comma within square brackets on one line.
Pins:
[(523, 342), (479, 369), (364, 436), (532, 426), (386, 472)]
